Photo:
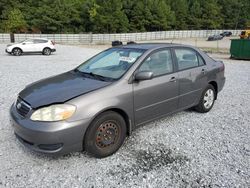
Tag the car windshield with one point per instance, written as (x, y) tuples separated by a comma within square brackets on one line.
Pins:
[(110, 64)]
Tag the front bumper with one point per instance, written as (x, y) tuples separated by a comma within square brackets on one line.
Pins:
[(7, 51), (49, 137)]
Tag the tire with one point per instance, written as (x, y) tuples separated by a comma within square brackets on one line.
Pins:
[(17, 51), (46, 51), (105, 135), (207, 100)]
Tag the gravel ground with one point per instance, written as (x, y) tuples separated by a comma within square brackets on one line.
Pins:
[(187, 149)]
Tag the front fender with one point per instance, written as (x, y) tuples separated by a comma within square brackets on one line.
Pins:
[(90, 105)]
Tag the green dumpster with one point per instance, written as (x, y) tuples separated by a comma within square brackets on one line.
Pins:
[(240, 48)]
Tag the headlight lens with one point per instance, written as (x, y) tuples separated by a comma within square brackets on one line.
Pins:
[(56, 112)]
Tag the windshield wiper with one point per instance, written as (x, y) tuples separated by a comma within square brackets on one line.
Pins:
[(96, 76), (99, 77)]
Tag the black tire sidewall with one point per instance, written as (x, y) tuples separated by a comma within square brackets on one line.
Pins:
[(201, 108), (90, 136), (16, 49), (46, 49)]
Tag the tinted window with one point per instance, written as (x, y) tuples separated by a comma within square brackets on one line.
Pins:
[(186, 59), (40, 41), (29, 41), (201, 61), (159, 63)]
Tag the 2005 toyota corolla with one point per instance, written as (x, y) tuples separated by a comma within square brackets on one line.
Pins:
[(95, 106)]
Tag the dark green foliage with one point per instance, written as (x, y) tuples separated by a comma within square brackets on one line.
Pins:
[(180, 8), (211, 15), (116, 16)]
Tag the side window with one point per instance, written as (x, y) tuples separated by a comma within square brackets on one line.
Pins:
[(38, 41), (159, 63), (186, 59), (201, 61), (29, 41)]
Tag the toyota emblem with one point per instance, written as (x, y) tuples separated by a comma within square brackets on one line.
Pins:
[(18, 105)]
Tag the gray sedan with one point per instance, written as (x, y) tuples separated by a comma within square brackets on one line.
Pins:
[(96, 105)]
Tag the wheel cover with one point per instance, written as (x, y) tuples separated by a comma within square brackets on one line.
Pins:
[(107, 134), (208, 99)]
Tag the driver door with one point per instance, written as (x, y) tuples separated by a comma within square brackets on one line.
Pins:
[(28, 46), (158, 96)]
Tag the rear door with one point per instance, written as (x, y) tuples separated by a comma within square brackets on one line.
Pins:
[(192, 76), (39, 45), (158, 96)]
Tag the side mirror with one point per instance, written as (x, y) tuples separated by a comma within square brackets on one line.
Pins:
[(144, 75)]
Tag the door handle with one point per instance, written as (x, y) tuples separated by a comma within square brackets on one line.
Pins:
[(173, 79), (203, 71)]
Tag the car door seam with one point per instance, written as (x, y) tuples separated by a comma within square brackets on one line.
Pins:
[(145, 107)]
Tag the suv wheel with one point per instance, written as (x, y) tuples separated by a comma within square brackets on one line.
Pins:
[(46, 51), (17, 52), (105, 134), (207, 100)]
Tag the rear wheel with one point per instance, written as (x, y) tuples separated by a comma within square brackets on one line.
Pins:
[(207, 100), (46, 51), (17, 52), (105, 134)]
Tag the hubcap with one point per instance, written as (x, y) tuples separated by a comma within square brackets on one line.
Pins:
[(208, 98), (107, 134)]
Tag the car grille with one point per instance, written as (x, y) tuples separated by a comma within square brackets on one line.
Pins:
[(22, 107)]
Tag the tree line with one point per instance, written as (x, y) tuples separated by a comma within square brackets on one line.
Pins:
[(116, 16)]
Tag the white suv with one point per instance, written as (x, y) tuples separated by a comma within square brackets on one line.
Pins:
[(35, 45)]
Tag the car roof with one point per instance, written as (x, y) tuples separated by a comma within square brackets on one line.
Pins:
[(151, 46)]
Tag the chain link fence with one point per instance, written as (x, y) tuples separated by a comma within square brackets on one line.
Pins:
[(90, 38)]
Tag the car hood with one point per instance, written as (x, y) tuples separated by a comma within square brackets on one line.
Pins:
[(59, 89), (13, 44)]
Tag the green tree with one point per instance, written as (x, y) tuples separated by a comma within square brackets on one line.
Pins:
[(105, 16), (140, 15), (195, 15), (180, 8), (162, 16), (15, 21), (211, 15), (115, 16)]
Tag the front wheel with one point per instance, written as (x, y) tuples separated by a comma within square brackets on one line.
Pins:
[(207, 100), (105, 134), (46, 51), (17, 52)]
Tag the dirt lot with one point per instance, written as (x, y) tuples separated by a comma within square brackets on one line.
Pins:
[(187, 149)]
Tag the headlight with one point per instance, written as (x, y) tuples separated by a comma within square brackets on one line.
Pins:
[(56, 112)]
